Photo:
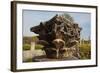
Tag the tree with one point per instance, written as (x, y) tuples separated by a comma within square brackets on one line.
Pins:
[(69, 17)]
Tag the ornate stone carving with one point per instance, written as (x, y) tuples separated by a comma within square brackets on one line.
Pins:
[(59, 36)]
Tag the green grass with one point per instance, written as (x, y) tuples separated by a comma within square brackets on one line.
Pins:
[(34, 38), (85, 50), (38, 46), (26, 47)]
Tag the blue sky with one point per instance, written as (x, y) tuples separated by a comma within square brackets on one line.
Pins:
[(32, 18)]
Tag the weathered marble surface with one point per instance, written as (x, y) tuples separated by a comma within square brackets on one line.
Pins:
[(58, 33)]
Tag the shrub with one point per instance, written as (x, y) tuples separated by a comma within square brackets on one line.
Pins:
[(39, 46), (34, 38), (26, 47)]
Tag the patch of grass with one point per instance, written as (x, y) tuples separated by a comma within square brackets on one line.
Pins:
[(38, 46), (34, 38), (26, 47), (85, 51)]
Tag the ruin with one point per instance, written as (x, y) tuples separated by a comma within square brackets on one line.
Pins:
[(60, 37)]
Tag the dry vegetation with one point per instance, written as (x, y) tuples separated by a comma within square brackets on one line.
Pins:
[(85, 50)]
